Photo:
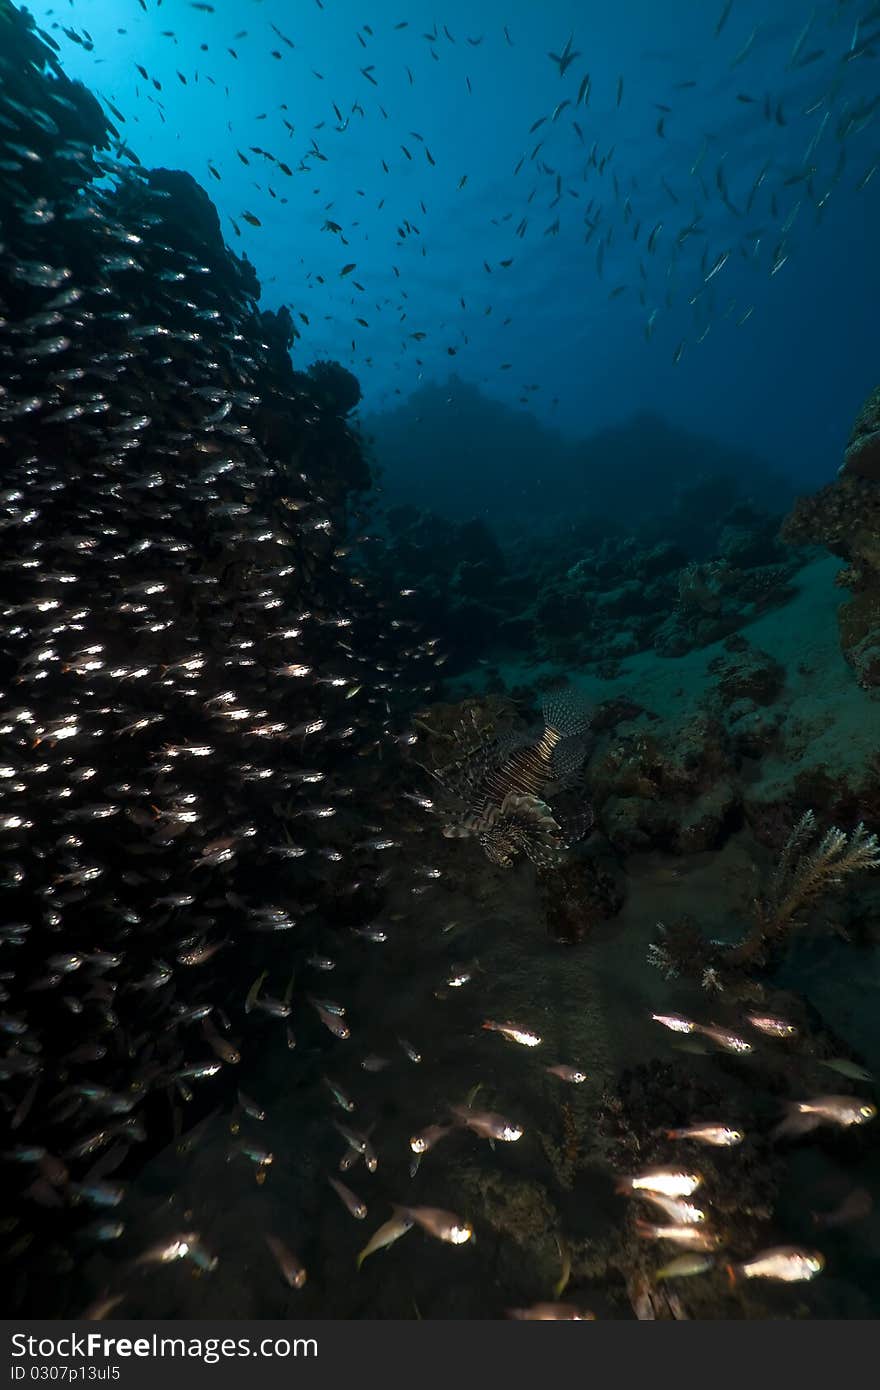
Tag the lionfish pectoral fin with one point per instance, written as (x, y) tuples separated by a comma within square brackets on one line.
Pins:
[(532, 827), (577, 828), (569, 755)]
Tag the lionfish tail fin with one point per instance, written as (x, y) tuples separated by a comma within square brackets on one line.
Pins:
[(567, 712)]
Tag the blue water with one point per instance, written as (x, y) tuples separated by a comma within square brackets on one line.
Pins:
[(784, 384)]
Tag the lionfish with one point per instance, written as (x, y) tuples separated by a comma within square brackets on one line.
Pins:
[(504, 780)]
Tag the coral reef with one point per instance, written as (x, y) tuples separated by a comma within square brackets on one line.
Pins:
[(513, 1207), (723, 711), (623, 596), (845, 517), (335, 386), (650, 1100), (523, 1220), (477, 445), (581, 892), (674, 791), (174, 499), (750, 731), (862, 454), (587, 594), (808, 867), (458, 573), (718, 597), (565, 1149)]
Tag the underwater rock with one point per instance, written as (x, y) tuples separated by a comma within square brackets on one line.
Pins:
[(679, 792), (749, 675), (513, 1207), (695, 514), (700, 588), (865, 655), (585, 593), (622, 602), (749, 538), (425, 543), (581, 892), (706, 821), (524, 1220), (859, 618), (633, 823), (862, 454), (335, 386), (752, 732), (620, 710), (845, 517), (475, 580), (715, 598), (663, 558), (657, 1097), (845, 799), (560, 612)]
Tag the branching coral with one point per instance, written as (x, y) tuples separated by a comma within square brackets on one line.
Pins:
[(802, 875), (809, 867)]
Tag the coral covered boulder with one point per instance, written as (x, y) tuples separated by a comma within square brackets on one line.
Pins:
[(676, 793), (845, 516), (747, 674), (862, 456), (337, 388), (580, 893)]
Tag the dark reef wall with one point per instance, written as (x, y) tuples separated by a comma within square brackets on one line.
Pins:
[(188, 669)]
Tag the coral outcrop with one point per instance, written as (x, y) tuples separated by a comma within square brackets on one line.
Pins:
[(674, 791), (580, 893), (862, 456), (845, 517), (588, 594)]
